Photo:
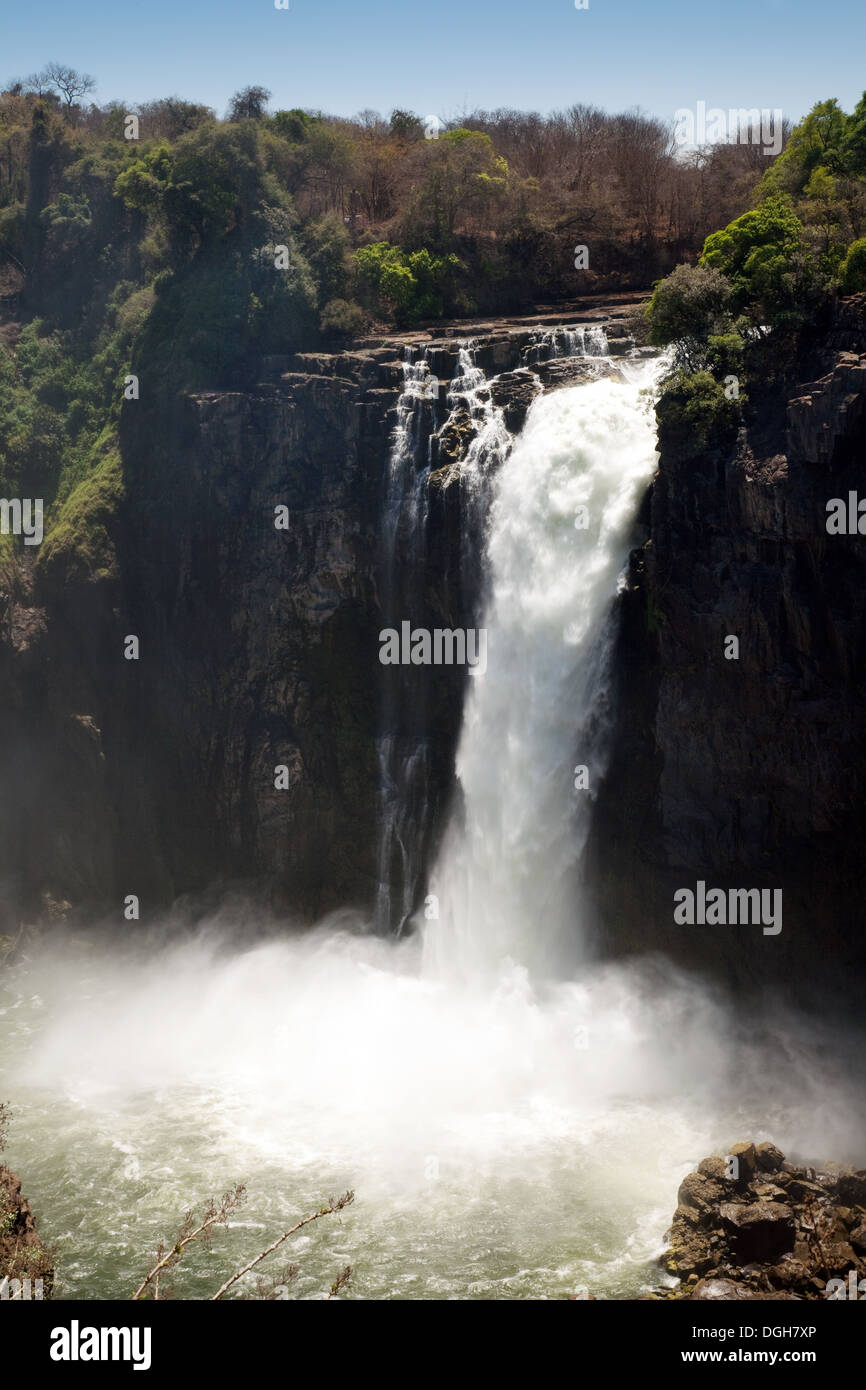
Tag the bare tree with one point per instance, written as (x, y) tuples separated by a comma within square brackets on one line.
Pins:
[(68, 82), (39, 83)]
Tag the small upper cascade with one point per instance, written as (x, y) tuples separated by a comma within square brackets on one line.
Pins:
[(469, 391), (420, 390), (580, 340)]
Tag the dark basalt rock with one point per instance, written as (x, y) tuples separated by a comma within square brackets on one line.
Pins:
[(259, 648), (769, 1158), (758, 1230), (707, 1290), (748, 1237), (747, 773), (514, 393)]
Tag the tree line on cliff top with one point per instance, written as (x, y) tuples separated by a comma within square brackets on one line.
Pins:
[(156, 255), (746, 313), (495, 200)]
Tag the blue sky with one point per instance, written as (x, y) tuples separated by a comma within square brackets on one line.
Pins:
[(445, 56)]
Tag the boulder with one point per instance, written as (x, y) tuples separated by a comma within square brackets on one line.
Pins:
[(759, 1231), (699, 1192), (746, 1162), (768, 1157), (851, 1187), (714, 1167)]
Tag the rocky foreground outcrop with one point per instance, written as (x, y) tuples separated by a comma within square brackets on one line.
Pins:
[(751, 1225), (22, 1254)]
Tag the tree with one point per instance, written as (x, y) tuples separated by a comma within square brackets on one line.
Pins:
[(763, 256), (854, 143), (640, 148), (171, 117), (210, 184), (39, 84), (249, 104), (405, 125), (686, 308), (68, 82), (328, 252), (462, 174), (294, 125), (819, 139), (199, 1229)]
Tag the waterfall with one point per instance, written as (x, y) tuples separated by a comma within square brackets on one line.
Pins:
[(509, 1136), (404, 761), (405, 490), (589, 340), (403, 756), (560, 524)]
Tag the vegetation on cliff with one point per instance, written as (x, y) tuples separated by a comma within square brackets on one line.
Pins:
[(151, 252), (764, 281), (22, 1254)]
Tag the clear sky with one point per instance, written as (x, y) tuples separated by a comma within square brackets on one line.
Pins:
[(443, 56)]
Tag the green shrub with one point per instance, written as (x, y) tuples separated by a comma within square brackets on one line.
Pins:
[(725, 354), (694, 414), (407, 285), (853, 271), (686, 308), (343, 319)]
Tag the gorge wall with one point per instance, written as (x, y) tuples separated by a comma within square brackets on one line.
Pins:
[(258, 649), (749, 772)]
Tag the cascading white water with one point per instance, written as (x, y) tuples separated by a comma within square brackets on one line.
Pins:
[(582, 340), (403, 770), (468, 395), (405, 489), (470, 390), (559, 531)]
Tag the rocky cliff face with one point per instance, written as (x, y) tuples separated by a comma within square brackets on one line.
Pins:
[(244, 746), (748, 772), (259, 651)]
